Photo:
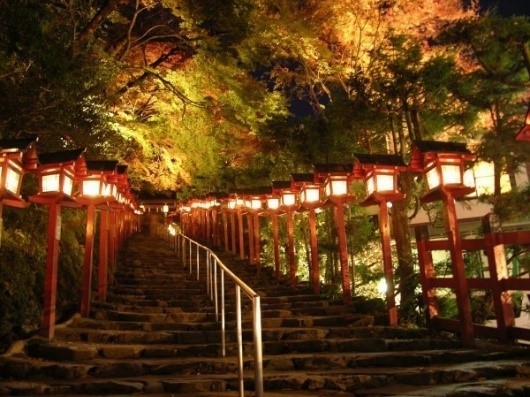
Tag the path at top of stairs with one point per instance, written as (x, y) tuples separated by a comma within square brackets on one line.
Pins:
[(157, 335)]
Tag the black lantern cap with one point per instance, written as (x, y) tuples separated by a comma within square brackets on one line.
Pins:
[(60, 157), (393, 160), (101, 165), (439, 147), (17, 144)]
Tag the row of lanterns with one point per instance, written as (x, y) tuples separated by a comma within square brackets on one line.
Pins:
[(442, 163), (102, 185), (57, 174)]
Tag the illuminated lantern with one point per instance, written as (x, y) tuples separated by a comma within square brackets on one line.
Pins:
[(336, 178), (380, 173), (443, 164), (92, 177), (310, 193), (56, 180), (13, 156)]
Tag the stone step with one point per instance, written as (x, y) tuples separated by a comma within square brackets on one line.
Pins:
[(64, 350), (89, 379), (310, 335), (157, 334)]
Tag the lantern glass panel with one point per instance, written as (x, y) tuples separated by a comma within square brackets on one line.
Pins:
[(370, 185), (469, 178), (288, 198), (50, 183), (433, 178), (385, 183), (231, 204), (12, 180), (337, 187), (273, 203), (310, 195), (68, 185), (451, 174), (256, 203), (91, 187), (240, 202)]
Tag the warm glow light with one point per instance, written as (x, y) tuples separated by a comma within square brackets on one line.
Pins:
[(288, 198), (370, 185), (382, 286), (385, 183), (451, 174), (433, 178), (165, 208), (231, 203), (310, 194), (13, 180), (68, 185), (91, 187), (110, 190), (255, 204), (337, 187), (171, 230), (273, 203), (50, 183)]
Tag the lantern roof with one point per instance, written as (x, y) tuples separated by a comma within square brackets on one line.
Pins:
[(524, 133), (299, 180), (305, 177), (101, 165), (66, 156), (17, 144), (423, 151), (441, 147), (392, 160), (333, 168), (280, 185), (252, 191), (365, 162)]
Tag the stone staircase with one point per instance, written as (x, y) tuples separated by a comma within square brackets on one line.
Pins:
[(157, 335)]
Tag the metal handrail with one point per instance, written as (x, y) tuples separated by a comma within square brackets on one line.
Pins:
[(215, 278)]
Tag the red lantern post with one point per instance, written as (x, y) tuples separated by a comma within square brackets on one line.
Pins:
[(94, 193), (56, 180), (273, 207), (380, 172), (443, 164), (14, 160), (310, 193), (336, 179), (287, 205)]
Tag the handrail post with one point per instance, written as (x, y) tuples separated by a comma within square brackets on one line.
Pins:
[(258, 351), (239, 341), (216, 301), (212, 288), (208, 270), (198, 261), (223, 315)]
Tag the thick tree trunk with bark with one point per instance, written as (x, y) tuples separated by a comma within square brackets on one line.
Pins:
[(405, 279)]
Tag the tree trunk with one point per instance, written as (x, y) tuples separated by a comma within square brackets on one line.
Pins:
[(406, 279)]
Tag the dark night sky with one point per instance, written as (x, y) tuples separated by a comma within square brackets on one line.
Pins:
[(508, 7)]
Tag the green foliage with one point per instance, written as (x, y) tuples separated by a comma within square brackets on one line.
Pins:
[(22, 269)]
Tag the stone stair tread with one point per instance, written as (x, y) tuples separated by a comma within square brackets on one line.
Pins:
[(482, 388), (359, 381), (157, 334)]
